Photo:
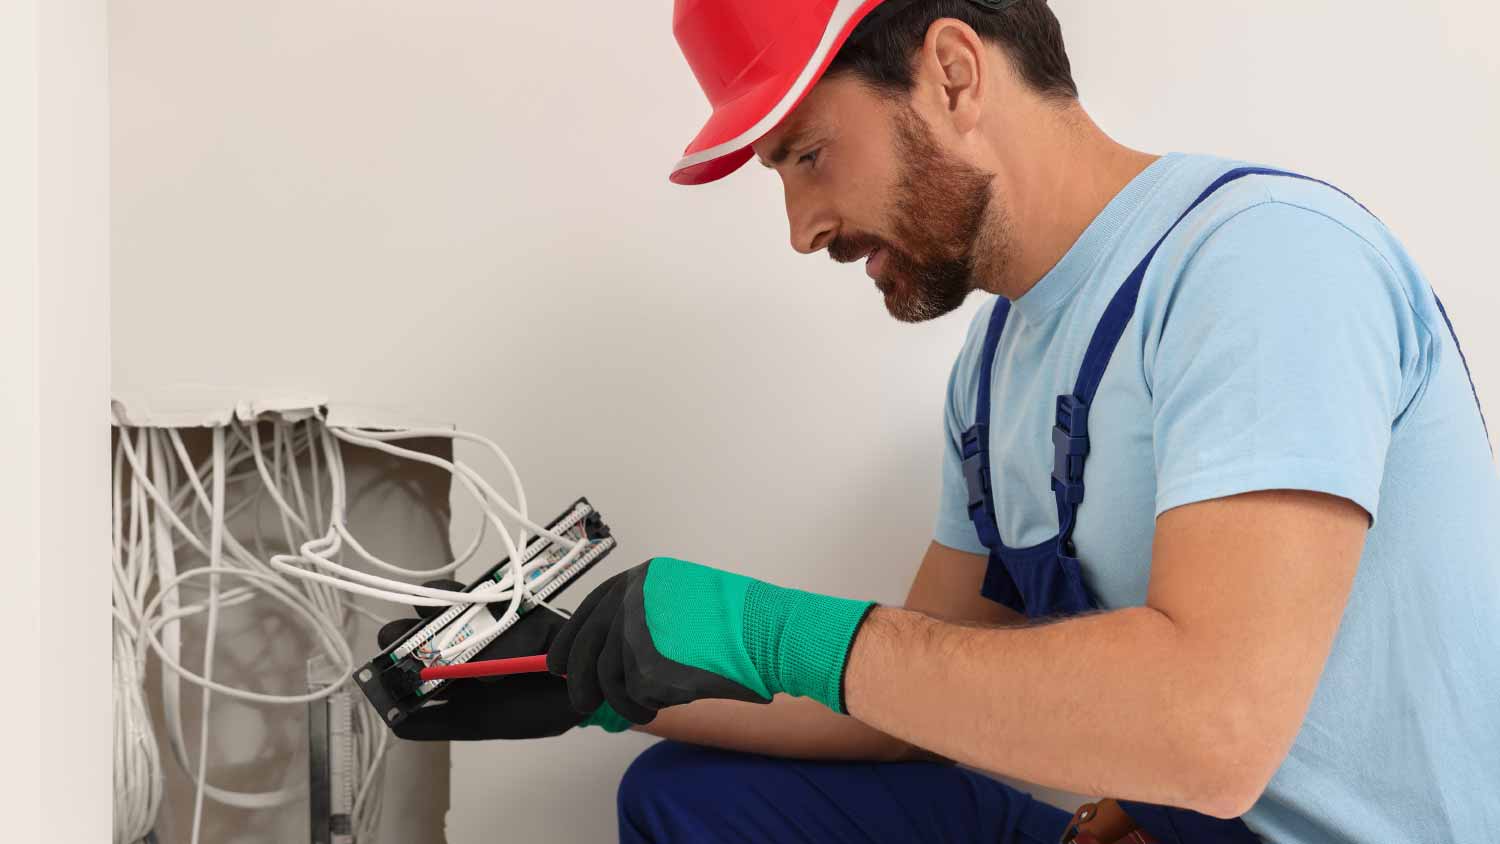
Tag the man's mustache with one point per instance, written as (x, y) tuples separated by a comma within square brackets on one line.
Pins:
[(848, 248)]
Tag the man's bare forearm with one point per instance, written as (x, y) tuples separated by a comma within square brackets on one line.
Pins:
[(1083, 705), (1192, 700), (795, 728)]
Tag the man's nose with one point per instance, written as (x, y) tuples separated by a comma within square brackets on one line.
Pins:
[(812, 227)]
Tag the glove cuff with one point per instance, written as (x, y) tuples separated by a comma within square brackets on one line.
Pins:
[(799, 641), (606, 719)]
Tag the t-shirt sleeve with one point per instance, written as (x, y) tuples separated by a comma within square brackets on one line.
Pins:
[(953, 526), (1278, 362)]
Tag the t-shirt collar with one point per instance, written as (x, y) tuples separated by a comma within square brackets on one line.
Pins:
[(1082, 258)]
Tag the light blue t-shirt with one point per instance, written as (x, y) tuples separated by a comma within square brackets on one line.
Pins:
[(1283, 340)]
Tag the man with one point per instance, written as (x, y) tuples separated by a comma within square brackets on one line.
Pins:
[(1217, 534)]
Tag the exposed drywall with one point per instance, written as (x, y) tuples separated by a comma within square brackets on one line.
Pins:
[(463, 207), (399, 510)]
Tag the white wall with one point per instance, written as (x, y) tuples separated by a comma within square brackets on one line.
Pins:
[(19, 417), (463, 208), (54, 298)]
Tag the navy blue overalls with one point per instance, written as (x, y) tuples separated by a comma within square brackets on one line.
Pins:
[(1045, 580)]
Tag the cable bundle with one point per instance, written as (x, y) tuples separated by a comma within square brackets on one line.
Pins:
[(165, 505)]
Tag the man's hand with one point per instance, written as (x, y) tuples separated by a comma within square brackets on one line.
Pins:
[(667, 632), (517, 707)]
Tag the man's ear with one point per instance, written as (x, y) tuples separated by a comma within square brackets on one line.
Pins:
[(951, 75)]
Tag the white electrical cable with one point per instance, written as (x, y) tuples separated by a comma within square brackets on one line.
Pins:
[(170, 679), (472, 482), (137, 771), (162, 512), (137, 761), (317, 551), (215, 553), (171, 642)]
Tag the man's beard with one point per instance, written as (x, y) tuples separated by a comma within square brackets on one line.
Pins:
[(940, 212)]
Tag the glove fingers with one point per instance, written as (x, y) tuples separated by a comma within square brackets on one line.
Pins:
[(450, 585), (430, 723), (562, 645), (588, 644), (527, 706), (635, 682), (522, 707), (394, 630), (613, 676)]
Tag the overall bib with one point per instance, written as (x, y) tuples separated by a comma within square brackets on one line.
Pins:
[(1045, 580)]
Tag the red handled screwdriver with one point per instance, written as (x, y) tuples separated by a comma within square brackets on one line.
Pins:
[(487, 668)]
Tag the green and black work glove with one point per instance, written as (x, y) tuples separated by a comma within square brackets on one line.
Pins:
[(521, 706), (667, 632)]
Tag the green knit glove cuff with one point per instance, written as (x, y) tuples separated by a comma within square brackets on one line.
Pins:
[(799, 641), (607, 719)]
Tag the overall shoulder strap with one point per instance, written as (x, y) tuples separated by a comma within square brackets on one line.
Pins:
[(1070, 435), (987, 359), (1470, 373), (1120, 309), (975, 442)]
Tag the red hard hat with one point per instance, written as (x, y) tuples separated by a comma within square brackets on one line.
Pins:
[(755, 60)]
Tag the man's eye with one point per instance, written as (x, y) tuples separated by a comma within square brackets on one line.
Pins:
[(809, 157)]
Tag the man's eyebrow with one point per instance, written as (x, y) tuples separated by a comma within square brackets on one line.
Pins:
[(790, 141)]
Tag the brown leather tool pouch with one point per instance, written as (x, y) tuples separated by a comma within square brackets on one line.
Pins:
[(1104, 823)]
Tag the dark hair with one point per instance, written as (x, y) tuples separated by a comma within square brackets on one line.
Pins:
[(882, 53)]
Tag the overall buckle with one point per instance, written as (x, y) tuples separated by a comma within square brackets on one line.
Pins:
[(1070, 447), (976, 472)]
